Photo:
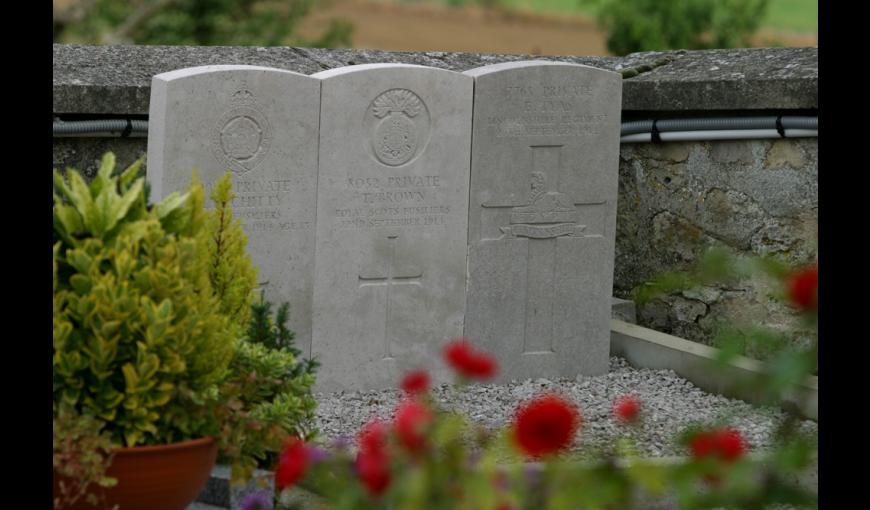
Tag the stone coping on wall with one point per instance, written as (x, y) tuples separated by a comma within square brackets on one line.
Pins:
[(116, 80)]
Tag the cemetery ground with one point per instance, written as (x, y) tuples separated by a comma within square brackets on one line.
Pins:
[(395, 276), (428, 26)]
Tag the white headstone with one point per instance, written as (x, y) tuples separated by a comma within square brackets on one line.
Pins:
[(261, 124), (542, 216), (392, 214)]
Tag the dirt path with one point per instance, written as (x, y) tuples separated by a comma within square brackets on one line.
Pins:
[(425, 27)]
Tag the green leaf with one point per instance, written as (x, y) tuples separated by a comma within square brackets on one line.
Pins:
[(107, 165), (81, 284), (103, 179), (60, 184), (122, 207), (79, 260), (131, 378), (110, 328), (169, 204), (130, 173), (80, 196), (67, 221)]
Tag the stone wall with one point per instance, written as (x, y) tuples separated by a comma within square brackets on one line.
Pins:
[(676, 199)]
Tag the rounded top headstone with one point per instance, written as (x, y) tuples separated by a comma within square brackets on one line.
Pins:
[(523, 64), (200, 70)]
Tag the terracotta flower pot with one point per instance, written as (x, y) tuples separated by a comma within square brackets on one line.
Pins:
[(164, 477)]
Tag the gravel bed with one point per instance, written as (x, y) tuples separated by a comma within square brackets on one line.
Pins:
[(670, 403)]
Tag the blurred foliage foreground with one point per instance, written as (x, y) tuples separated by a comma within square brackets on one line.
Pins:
[(191, 22), (426, 457)]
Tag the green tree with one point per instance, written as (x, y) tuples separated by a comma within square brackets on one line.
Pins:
[(646, 25), (230, 270), (191, 22)]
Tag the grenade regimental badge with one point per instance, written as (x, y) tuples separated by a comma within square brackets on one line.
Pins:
[(242, 135), (400, 126)]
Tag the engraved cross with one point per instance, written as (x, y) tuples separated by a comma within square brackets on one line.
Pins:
[(546, 219), (388, 281)]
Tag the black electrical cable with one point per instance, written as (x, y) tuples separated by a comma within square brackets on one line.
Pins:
[(655, 136)]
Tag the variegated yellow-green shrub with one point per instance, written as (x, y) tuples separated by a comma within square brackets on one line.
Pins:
[(140, 340)]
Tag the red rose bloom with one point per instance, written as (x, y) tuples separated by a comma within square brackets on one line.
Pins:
[(412, 417), (546, 425), (626, 408), (373, 468), (803, 288), (726, 444), (467, 362), (416, 382), (731, 444), (372, 462), (291, 464), (702, 444), (481, 366), (373, 436), (458, 352)]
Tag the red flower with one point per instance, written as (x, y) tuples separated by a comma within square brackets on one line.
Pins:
[(372, 461), (702, 444), (416, 382), (373, 468), (803, 288), (725, 443), (373, 436), (292, 464), (546, 425), (731, 444), (412, 417), (458, 352), (462, 357), (626, 408)]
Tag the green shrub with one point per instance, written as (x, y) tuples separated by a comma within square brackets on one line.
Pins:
[(275, 335), (268, 394), (230, 271), (139, 340), (264, 408), (647, 25)]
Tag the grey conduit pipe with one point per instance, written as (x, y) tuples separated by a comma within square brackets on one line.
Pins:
[(663, 130), (101, 128), (725, 134), (726, 128), (720, 124)]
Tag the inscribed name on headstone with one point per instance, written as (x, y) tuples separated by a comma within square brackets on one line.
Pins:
[(392, 214), (542, 216), (261, 124)]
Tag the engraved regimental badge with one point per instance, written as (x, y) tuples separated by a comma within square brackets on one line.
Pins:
[(242, 135), (548, 214), (399, 122)]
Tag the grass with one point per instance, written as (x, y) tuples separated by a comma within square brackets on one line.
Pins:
[(786, 15)]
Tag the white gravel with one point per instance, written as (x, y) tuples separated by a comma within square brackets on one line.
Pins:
[(669, 403)]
